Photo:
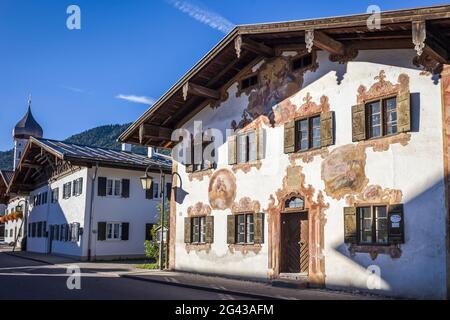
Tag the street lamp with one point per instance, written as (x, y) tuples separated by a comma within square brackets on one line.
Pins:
[(147, 182)]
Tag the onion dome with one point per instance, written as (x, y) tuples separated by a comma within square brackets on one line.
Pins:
[(27, 126)]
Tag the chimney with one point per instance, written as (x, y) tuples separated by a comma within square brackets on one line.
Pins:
[(126, 147), (151, 152)]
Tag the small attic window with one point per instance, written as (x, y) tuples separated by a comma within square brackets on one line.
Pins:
[(302, 62), (249, 82)]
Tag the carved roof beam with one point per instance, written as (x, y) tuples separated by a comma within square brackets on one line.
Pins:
[(148, 131), (200, 91), (253, 46), (323, 41), (432, 50)]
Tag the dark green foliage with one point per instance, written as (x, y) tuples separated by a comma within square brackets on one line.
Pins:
[(104, 137)]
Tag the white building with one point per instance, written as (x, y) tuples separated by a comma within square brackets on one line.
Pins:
[(80, 201), (88, 202), (336, 174)]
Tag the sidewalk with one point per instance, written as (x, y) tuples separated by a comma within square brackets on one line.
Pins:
[(38, 257), (252, 289)]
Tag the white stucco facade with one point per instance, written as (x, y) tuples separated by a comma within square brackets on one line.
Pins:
[(415, 169), (135, 210)]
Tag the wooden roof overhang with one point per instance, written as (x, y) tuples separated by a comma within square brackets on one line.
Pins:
[(3, 188), (203, 84), (40, 163)]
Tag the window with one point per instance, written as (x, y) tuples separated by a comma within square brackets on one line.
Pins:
[(245, 228), (199, 163), (302, 62), (381, 117), (198, 230), (39, 229), (246, 147), (372, 225), (113, 188), (67, 190), (78, 187), (155, 190), (113, 231), (55, 195), (45, 197), (249, 82), (308, 133)]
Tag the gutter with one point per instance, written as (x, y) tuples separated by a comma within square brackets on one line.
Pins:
[(91, 205)]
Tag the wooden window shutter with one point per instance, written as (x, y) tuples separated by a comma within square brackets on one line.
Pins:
[(209, 220), (187, 230), (358, 122), (396, 225), (101, 231), (326, 129), (404, 112), (260, 143), (232, 155), (125, 231), (148, 231), (231, 233), (259, 228), (289, 137), (149, 192), (101, 187), (350, 234), (125, 188), (80, 186)]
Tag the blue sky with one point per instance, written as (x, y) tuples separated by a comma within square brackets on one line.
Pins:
[(125, 51)]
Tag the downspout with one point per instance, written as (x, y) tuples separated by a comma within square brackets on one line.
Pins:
[(91, 206)]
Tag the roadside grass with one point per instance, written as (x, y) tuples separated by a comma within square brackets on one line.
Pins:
[(148, 266)]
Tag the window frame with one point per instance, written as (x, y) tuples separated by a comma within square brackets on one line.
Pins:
[(247, 77), (383, 113), (201, 229), (310, 133), (113, 188), (112, 223), (246, 135), (302, 58), (374, 230), (246, 228)]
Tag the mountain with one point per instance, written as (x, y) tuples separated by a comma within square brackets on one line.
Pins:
[(103, 136)]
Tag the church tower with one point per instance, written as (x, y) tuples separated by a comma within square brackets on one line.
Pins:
[(27, 127)]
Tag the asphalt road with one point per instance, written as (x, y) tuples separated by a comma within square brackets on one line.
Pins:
[(25, 279)]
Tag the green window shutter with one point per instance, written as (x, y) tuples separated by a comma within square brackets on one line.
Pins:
[(350, 232), (260, 134), (289, 137), (231, 233), (148, 231), (209, 220), (101, 187), (404, 112), (326, 129), (358, 122), (232, 155), (259, 227), (125, 188), (149, 192), (101, 231), (125, 231), (396, 225), (187, 230)]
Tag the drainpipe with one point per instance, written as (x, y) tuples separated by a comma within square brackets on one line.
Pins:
[(91, 205)]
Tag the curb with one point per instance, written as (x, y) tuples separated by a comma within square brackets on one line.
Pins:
[(28, 258), (198, 287)]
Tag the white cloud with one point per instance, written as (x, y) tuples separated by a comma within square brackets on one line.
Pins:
[(136, 99), (73, 89), (205, 16)]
